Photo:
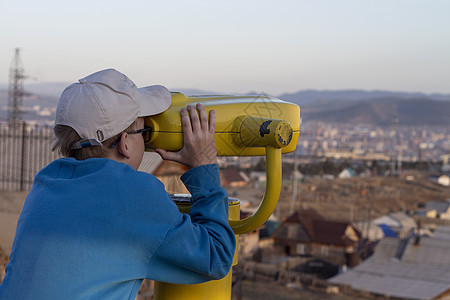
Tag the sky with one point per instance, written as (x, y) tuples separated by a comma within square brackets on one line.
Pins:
[(271, 47)]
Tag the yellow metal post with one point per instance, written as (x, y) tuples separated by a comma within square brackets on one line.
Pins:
[(221, 289), (211, 290)]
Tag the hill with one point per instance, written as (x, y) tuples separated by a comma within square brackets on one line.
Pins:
[(307, 96), (381, 111)]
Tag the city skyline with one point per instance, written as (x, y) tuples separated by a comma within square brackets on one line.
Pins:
[(235, 47)]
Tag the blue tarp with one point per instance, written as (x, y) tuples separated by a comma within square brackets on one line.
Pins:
[(388, 232)]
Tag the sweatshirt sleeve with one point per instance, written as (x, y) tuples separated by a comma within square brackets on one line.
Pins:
[(199, 247)]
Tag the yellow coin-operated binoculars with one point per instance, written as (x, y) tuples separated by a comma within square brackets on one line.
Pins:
[(245, 126)]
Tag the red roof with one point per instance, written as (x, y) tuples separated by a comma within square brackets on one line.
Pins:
[(318, 229), (231, 175), (329, 232)]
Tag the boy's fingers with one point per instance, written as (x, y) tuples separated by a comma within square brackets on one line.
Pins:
[(203, 117), (186, 122), (212, 121), (195, 122), (167, 155)]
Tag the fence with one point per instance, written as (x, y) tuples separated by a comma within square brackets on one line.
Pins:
[(24, 150), (254, 271)]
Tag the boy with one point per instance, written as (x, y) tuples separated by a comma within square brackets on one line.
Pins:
[(93, 227)]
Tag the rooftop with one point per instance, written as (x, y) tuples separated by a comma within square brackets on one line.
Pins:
[(404, 269)]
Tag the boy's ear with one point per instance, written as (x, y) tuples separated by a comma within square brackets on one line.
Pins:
[(122, 146)]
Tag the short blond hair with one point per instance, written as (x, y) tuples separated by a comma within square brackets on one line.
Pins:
[(65, 136)]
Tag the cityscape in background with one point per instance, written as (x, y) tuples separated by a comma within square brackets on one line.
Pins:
[(398, 143), (339, 141)]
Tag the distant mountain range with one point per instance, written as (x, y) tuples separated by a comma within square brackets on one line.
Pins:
[(340, 106), (307, 96), (380, 111), (372, 107)]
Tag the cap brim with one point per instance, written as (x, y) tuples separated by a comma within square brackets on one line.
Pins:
[(154, 99)]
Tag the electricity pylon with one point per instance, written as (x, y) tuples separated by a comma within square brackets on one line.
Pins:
[(15, 89)]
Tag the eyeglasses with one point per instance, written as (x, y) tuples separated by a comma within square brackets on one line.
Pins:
[(146, 134)]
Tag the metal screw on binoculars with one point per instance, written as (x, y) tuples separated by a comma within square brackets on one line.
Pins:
[(245, 126)]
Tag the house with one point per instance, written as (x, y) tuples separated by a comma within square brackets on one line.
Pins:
[(307, 233), (259, 176), (404, 269), (436, 209), (402, 224), (369, 230), (426, 212), (233, 178), (443, 180), (346, 173)]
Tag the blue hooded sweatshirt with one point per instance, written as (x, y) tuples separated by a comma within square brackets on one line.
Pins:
[(94, 229)]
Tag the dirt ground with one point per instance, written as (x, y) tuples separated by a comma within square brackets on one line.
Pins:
[(11, 204), (359, 199), (351, 199)]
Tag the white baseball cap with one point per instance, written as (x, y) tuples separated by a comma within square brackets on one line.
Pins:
[(107, 102)]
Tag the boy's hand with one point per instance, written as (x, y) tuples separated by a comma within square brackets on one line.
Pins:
[(199, 145)]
